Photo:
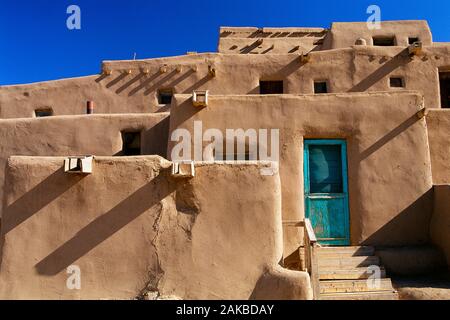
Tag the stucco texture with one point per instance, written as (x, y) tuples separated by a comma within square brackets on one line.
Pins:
[(131, 228), (438, 122), (80, 135), (131, 86), (389, 166), (440, 224)]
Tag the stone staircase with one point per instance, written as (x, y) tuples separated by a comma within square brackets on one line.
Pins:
[(343, 275)]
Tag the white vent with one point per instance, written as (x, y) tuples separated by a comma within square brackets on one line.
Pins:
[(183, 169), (78, 164), (200, 98)]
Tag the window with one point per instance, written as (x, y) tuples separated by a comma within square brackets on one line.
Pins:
[(131, 143), (412, 40), (165, 96), (325, 169), (43, 112), (384, 41), (271, 87), (320, 87), (444, 81), (397, 82)]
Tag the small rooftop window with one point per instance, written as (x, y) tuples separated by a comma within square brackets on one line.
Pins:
[(131, 143), (384, 41), (320, 87), (412, 40), (43, 112), (444, 82), (271, 87), (397, 82), (165, 96)]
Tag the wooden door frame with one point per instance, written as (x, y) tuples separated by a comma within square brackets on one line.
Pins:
[(306, 179)]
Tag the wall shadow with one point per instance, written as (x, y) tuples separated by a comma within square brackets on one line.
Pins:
[(411, 224), (291, 67), (106, 225), (37, 198), (389, 136), (284, 72), (184, 112), (145, 83), (119, 78), (129, 83), (156, 138), (268, 50), (250, 48), (198, 84), (183, 77), (399, 60), (159, 83)]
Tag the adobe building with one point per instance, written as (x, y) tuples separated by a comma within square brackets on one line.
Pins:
[(358, 191)]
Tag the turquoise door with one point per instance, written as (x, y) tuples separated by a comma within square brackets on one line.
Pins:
[(326, 190)]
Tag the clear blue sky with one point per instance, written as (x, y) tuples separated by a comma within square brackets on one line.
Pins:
[(35, 44)]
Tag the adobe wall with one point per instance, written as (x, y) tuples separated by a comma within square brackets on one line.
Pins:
[(353, 69), (131, 228), (79, 135), (390, 200), (251, 40), (68, 97), (375, 65), (344, 34), (438, 122), (440, 223)]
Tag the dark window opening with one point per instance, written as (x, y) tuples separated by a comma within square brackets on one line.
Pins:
[(412, 40), (165, 96), (320, 87), (325, 167), (45, 112), (444, 81), (271, 87), (131, 143), (396, 83), (384, 41)]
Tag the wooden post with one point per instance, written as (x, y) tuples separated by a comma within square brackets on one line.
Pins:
[(311, 257), (315, 272)]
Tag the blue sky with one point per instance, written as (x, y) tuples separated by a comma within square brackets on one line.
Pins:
[(36, 45)]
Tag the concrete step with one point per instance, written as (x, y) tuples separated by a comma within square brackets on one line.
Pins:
[(347, 273), (345, 251), (348, 286), (381, 295), (347, 262)]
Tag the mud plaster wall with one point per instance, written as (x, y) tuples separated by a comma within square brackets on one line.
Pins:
[(344, 34), (251, 40), (79, 135), (129, 226), (353, 69), (438, 122), (389, 164), (440, 224)]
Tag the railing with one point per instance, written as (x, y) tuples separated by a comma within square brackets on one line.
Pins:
[(310, 253), (312, 268)]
